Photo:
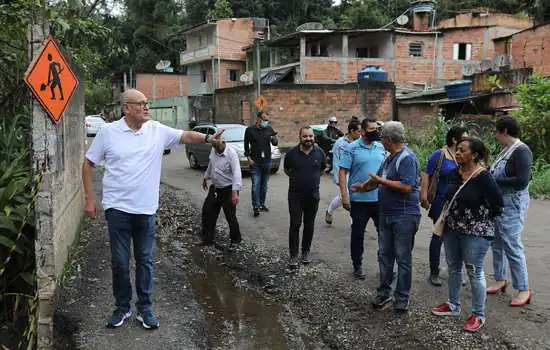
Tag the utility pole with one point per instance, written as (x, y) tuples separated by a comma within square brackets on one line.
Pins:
[(258, 67)]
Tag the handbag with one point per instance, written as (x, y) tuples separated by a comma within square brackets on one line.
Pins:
[(434, 180), (439, 225)]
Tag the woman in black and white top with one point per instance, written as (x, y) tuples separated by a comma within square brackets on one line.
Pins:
[(512, 172), (474, 200)]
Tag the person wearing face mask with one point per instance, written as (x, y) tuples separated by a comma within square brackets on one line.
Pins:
[(360, 158), (354, 132), (258, 139), (303, 165), (398, 183)]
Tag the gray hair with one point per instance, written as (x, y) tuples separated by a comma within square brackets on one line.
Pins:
[(394, 131)]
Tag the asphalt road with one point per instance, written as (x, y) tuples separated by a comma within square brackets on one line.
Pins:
[(331, 247)]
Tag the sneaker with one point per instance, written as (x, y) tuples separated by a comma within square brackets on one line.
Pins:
[(328, 218), (401, 306), (445, 310), (306, 257), (473, 323), (435, 280), (293, 262), (264, 208), (117, 318), (380, 302), (148, 320), (358, 273), (256, 212)]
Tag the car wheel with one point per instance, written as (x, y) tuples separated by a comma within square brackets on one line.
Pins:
[(274, 170), (193, 161)]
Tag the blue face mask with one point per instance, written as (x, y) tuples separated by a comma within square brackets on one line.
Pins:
[(264, 124)]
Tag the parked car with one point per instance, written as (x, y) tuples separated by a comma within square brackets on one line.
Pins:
[(93, 124), (198, 154)]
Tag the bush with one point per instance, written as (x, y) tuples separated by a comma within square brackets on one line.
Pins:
[(423, 148)]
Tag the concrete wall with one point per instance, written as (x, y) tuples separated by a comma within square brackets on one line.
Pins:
[(489, 19), (196, 86), (172, 111), (161, 85), (295, 105), (420, 118), (57, 154)]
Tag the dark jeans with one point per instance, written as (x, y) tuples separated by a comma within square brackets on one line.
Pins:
[(260, 174), (396, 241), (139, 228), (214, 202), (360, 213), (435, 254), (299, 208)]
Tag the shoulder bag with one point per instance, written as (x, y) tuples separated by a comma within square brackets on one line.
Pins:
[(439, 225)]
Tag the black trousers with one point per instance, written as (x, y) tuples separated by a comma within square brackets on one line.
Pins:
[(299, 208), (217, 199), (360, 213)]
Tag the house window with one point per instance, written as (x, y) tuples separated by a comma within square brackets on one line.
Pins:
[(203, 76), (462, 51), (319, 50), (415, 49), (366, 52), (232, 74)]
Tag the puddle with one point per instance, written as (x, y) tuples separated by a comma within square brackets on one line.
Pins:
[(236, 318)]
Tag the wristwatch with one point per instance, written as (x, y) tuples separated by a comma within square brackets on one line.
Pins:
[(206, 138)]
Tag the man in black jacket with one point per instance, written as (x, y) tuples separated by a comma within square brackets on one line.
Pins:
[(329, 137), (258, 139)]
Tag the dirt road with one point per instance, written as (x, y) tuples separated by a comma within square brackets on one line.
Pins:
[(331, 273)]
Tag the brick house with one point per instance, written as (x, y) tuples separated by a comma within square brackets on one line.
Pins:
[(417, 54), (214, 59), (526, 49)]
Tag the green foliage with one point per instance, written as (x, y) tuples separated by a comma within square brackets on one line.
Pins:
[(221, 9), (363, 14), (534, 115), (98, 95)]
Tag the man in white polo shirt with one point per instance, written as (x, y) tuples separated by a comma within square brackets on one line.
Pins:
[(132, 150)]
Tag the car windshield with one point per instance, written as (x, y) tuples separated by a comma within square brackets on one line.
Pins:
[(234, 133)]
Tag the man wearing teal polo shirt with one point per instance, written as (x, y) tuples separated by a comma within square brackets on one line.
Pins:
[(360, 158)]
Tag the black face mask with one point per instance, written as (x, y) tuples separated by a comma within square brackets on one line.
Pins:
[(372, 136)]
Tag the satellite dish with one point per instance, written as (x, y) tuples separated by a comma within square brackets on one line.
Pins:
[(310, 26), (402, 20), (244, 78), (162, 65)]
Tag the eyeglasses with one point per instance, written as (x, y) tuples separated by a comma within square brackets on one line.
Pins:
[(141, 104)]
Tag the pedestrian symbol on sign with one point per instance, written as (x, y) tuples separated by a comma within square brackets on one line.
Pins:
[(55, 69)]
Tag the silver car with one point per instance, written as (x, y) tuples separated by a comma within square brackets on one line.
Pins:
[(93, 124), (198, 154)]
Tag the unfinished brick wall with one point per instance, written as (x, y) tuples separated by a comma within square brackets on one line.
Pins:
[(474, 36), (500, 19), (232, 37), (224, 75), (161, 85), (531, 48), (418, 118), (322, 69), (295, 105), (403, 41)]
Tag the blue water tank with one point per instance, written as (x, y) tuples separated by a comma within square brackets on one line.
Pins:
[(458, 89), (372, 73)]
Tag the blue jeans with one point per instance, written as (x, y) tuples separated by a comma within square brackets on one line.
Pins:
[(395, 243), (470, 251), (260, 174), (507, 245), (140, 229)]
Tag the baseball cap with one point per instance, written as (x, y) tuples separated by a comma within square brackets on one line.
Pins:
[(332, 119)]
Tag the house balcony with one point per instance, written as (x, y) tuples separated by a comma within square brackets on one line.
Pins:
[(194, 56)]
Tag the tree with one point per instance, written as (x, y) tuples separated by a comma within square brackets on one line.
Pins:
[(363, 14), (222, 9), (534, 115)]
